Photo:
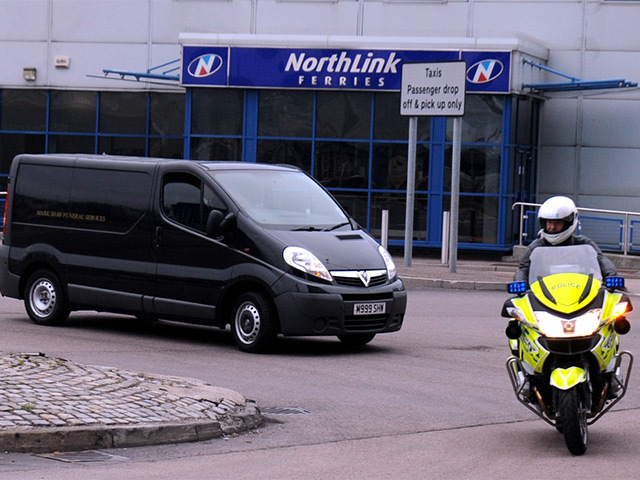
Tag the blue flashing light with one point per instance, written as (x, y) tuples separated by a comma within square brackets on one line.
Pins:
[(614, 282), (517, 287)]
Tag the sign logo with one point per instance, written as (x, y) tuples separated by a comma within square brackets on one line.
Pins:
[(205, 65), (485, 71)]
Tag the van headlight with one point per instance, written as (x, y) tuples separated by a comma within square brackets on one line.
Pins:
[(306, 261), (388, 261)]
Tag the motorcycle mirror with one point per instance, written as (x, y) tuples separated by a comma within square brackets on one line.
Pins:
[(517, 287)]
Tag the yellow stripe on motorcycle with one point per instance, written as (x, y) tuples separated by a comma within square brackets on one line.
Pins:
[(524, 305), (610, 301), (566, 378)]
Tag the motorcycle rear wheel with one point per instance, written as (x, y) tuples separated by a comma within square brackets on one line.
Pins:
[(573, 419)]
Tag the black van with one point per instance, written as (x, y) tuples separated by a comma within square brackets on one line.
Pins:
[(262, 248)]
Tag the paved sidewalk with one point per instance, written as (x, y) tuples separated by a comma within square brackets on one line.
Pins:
[(51, 404)]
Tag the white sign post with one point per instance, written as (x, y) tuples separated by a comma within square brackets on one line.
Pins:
[(435, 89)]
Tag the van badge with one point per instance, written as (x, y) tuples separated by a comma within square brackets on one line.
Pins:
[(364, 276)]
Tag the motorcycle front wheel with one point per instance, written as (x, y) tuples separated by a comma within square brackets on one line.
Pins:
[(572, 419)]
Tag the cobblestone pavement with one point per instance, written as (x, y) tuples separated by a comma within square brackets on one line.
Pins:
[(80, 404)]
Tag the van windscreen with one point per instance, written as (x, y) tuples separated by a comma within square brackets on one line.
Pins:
[(282, 199)]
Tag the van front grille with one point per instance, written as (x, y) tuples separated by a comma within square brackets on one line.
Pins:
[(360, 278)]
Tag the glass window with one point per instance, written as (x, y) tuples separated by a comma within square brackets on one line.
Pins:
[(390, 166), (135, 146), (166, 147), (12, 144), (390, 125), (217, 111), (72, 144), (396, 204), (290, 152), (525, 120), (288, 200), (479, 169), (42, 195), (482, 121), (109, 199), (285, 113), (342, 164), (344, 115), (355, 204), (188, 201), (478, 219), (166, 114), (124, 113), (73, 111), (23, 110), (209, 148)]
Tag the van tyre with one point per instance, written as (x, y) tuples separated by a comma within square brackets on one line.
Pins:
[(253, 322), (45, 300)]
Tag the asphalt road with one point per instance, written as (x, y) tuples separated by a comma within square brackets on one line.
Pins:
[(431, 401)]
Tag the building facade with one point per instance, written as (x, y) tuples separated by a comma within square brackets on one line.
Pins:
[(316, 83)]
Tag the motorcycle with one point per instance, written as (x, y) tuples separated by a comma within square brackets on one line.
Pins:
[(564, 333)]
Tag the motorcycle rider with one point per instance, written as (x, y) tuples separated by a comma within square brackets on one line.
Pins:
[(558, 218)]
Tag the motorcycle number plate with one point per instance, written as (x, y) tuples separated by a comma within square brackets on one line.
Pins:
[(369, 308)]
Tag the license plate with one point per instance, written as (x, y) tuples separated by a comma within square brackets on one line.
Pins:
[(369, 308)]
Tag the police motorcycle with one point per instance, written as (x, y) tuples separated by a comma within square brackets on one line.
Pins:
[(566, 365)]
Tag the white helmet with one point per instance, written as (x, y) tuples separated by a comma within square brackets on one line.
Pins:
[(558, 208)]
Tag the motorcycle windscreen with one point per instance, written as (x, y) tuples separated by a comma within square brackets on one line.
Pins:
[(565, 279)]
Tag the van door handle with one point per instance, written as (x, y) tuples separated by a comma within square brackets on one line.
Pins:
[(157, 236)]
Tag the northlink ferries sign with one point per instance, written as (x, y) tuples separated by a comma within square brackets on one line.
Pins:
[(336, 69)]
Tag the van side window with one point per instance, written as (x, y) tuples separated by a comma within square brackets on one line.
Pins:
[(188, 201), (86, 198), (42, 194)]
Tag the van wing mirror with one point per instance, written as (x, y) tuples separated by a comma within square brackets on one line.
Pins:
[(219, 224)]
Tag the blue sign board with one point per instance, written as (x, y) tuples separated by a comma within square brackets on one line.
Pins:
[(335, 69)]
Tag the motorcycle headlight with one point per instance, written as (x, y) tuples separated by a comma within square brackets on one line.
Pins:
[(304, 260), (556, 327), (388, 261)]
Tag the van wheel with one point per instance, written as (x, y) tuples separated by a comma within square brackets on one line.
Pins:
[(356, 339), (253, 322), (44, 300)]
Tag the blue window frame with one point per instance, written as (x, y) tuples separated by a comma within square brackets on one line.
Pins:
[(355, 143)]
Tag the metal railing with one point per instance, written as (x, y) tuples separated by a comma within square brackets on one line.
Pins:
[(612, 230)]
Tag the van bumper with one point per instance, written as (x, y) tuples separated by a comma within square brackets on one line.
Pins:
[(330, 310)]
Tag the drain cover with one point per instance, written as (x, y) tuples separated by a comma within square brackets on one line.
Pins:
[(284, 411), (79, 457)]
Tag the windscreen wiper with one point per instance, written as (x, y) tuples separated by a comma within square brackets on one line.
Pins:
[(336, 226)]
